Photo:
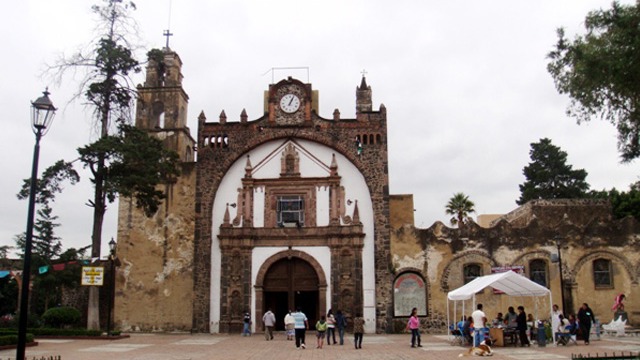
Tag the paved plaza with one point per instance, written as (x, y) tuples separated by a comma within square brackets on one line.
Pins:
[(382, 346)]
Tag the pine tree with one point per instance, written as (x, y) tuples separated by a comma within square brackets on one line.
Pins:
[(548, 176)]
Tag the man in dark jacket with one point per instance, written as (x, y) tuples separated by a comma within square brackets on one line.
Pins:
[(521, 326), (585, 317)]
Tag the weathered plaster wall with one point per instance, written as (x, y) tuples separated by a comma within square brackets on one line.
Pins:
[(155, 279), (585, 231)]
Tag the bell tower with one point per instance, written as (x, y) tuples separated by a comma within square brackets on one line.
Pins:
[(159, 248), (162, 103)]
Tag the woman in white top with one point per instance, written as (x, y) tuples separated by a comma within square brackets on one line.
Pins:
[(289, 324)]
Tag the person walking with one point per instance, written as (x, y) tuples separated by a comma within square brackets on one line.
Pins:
[(414, 325), (269, 320), (479, 319), (331, 327), (289, 325), (358, 330), (321, 328), (521, 326), (301, 325), (585, 317), (341, 324), (246, 324)]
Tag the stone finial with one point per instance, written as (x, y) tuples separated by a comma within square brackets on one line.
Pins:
[(336, 115), (356, 214), (223, 117), (243, 116), (202, 118), (363, 97), (334, 165), (363, 83), (383, 109), (248, 168), (226, 220)]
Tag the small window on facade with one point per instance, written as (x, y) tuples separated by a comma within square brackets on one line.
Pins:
[(290, 209), (409, 291), (471, 271), (602, 273), (538, 272)]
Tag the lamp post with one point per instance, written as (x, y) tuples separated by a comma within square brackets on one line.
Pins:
[(42, 114), (557, 239), (112, 290)]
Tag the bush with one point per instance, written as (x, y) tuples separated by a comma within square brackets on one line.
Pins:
[(12, 339), (61, 316), (65, 332)]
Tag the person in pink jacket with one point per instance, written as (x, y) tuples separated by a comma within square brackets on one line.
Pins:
[(414, 326)]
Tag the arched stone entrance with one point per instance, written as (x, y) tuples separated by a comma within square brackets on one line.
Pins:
[(288, 280)]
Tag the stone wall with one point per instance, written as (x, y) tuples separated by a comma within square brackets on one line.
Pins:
[(587, 232), (155, 279)]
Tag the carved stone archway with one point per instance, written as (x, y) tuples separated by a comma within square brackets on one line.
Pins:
[(289, 254)]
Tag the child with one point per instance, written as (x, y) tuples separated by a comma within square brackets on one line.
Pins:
[(321, 328), (414, 326)]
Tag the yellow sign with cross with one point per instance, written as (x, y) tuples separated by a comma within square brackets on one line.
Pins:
[(92, 275)]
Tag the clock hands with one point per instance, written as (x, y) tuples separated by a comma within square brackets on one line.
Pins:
[(290, 101)]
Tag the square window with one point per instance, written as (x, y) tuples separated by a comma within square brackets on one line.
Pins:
[(602, 273), (471, 272), (290, 210), (538, 272)]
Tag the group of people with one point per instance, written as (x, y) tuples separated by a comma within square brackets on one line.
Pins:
[(560, 324), (473, 328), (296, 325)]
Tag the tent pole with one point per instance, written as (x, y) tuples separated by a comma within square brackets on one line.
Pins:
[(455, 314), (448, 330), (553, 331)]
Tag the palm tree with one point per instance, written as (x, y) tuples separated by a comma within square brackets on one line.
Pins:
[(460, 207)]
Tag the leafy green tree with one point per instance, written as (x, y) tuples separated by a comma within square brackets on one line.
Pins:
[(548, 176), (8, 288), (460, 207), (623, 203), (110, 93), (600, 71), (46, 244), (47, 247), (135, 164)]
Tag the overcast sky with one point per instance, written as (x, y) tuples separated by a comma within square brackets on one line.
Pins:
[(464, 82)]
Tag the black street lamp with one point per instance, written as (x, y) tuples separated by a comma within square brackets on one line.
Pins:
[(42, 114), (558, 240), (112, 262)]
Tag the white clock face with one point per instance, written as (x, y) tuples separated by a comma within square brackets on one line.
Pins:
[(289, 103)]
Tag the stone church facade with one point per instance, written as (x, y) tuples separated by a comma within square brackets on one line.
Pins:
[(287, 210), (293, 210)]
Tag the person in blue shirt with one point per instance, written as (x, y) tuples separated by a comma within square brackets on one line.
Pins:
[(300, 327)]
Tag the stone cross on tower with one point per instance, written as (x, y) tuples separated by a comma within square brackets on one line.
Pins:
[(167, 33)]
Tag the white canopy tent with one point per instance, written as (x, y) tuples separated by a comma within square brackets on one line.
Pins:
[(509, 282)]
